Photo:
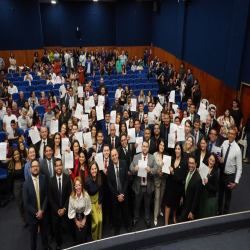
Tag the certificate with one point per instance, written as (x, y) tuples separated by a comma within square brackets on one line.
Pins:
[(69, 159), (139, 141), (161, 99), (11, 134), (151, 118), (158, 108), (88, 139), (99, 113), (216, 150), (87, 106), (131, 133), (54, 126), (63, 90), (133, 102), (142, 172), (34, 135), (78, 112), (175, 107), (166, 164), (85, 121), (127, 123), (203, 171), (173, 128), (203, 116), (172, 96), (65, 143), (3, 151), (180, 133), (101, 99), (99, 160), (113, 116), (201, 108), (91, 101), (117, 132), (80, 91), (78, 136), (171, 139)]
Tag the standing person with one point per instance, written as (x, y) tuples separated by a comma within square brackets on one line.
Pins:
[(159, 181), (79, 208), (59, 193), (175, 182), (118, 185), (230, 170), (143, 186), (81, 73), (93, 185), (207, 206), (237, 114), (247, 131), (202, 152), (35, 198), (191, 196)]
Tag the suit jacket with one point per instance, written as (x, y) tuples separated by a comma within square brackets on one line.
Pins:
[(91, 150), (44, 169), (108, 141), (54, 194), (214, 124), (86, 68), (123, 176), (203, 131), (152, 147), (217, 144), (102, 125), (30, 200), (137, 116), (38, 144), (150, 126), (195, 116), (162, 135), (117, 109), (69, 63), (192, 196), (67, 102), (213, 184), (201, 135), (150, 176), (128, 158), (198, 157)]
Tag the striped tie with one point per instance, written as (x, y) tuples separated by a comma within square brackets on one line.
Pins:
[(37, 194)]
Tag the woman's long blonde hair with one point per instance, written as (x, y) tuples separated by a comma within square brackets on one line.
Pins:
[(73, 194), (192, 147)]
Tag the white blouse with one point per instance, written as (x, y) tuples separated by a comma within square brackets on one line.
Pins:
[(81, 205)]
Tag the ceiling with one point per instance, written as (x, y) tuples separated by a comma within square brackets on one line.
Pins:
[(49, 1)]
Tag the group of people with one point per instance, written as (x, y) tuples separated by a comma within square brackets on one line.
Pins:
[(124, 163)]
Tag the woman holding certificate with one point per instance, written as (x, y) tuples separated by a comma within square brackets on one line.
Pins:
[(207, 207), (201, 153), (175, 182), (93, 186)]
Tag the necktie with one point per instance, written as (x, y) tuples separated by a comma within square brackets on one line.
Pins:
[(119, 186), (125, 151), (99, 147), (37, 194), (210, 147), (140, 117), (113, 144), (106, 164), (60, 193), (143, 178), (188, 180), (50, 170), (225, 160), (191, 118), (43, 149), (195, 138), (107, 128), (156, 144)]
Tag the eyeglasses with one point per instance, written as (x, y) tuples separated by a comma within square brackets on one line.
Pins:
[(59, 165), (36, 166), (156, 128), (191, 163)]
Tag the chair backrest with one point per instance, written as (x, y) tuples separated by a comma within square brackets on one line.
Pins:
[(42, 82), (37, 78), (40, 87), (11, 79), (46, 92), (25, 83), (38, 93), (26, 95), (40, 109), (19, 78), (16, 83), (49, 87), (111, 77), (34, 82), (22, 88), (57, 85), (15, 97), (30, 88)]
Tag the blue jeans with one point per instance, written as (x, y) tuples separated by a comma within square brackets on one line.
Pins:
[(248, 146)]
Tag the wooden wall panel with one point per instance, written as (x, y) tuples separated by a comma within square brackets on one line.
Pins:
[(245, 101)]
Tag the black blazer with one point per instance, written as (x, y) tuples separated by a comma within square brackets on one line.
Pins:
[(128, 158), (158, 141), (123, 175), (215, 124), (117, 142), (152, 147), (203, 131), (137, 116), (213, 184), (38, 144), (54, 194), (198, 157), (30, 200), (192, 196), (44, 168)]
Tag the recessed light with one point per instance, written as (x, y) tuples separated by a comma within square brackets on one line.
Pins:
[(53, 2)]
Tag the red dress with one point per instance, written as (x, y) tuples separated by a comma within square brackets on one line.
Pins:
[(81, 75), (56, 68)]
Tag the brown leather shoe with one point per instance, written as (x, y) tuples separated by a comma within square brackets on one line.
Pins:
[(38, 229)]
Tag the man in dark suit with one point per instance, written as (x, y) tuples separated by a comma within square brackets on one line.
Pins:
[(88, 69), (98, 90), (59, 193), (170, 72), (156, 138), (35, 199), (118, 186), (105, 125), (192, 114), (99, 146), (110, 55), (140, 113), (145, 124), (71, 62), (206, 127), (112, 140), (74, 130), (143, 186), (214, 123), (116, 106), (192, 192), (147, 137), (196, 133), (213, 140), (70, 101), (87, 93), (86, 53)]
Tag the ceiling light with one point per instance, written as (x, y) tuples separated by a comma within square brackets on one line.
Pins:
[(53, 2), (95, 0)]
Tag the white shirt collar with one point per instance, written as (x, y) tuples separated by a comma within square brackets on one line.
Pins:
[(78, 198)]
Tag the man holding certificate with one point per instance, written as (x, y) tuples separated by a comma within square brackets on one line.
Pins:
[(143, 167)]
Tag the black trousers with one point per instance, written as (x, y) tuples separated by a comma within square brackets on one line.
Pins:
[(224, 180), (123, 207), (107, 207), (57, 221), (33, 232), (81, 235)]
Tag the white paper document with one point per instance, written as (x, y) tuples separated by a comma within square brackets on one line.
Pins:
[(85, 121), (34, 135), (171, 139), (180, 133), (131, 133), (99, 113), (78, 112), (203, 171), (63, 90), (133, 102), (80, 91), (139, 141), (216, 150), (54, 126), (79, 137), (151, 117), (87, 106), (175, 107), (101, 99), (99, 160), (158, 108), (3, 151), (172, 96), (113, 116), (88, 139), (142, 172), (203, 116), (173, 128), (117, 132), (184, 120), (127, 123), (65, 143), (11, 133), (69, 159), (167, 163), (91, 101), (161, 99)]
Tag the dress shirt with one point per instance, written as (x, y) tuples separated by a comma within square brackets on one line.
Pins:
[(145, 183), (41, 148), (104, 161), (59, 79), (123, 59), (124, 149), (56, 56), (52, 167), (98, 146), (213, 144), (88, 68), (71, 62), (2, 112), (34, 181), (141, 117), (118, 93), (71, 102), (112, 138), (234, 159), (107, 124), (12, 90), (28, 78)]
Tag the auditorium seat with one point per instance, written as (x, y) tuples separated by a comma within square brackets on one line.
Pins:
[(34, 83), (40, 87), (15, 97), (30, 88)]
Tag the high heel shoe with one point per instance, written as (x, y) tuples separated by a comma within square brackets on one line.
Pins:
[(160, 213), (155, 222)]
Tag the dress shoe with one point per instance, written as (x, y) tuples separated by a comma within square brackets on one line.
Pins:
[(38, 229), (148, 225), (133, 224), (50, 238), (155, 222), (219, 213), (128, 229), (161, 213), (117, 230), (111, 226)]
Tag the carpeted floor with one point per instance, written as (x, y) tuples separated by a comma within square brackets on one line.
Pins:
[(13, 236)]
